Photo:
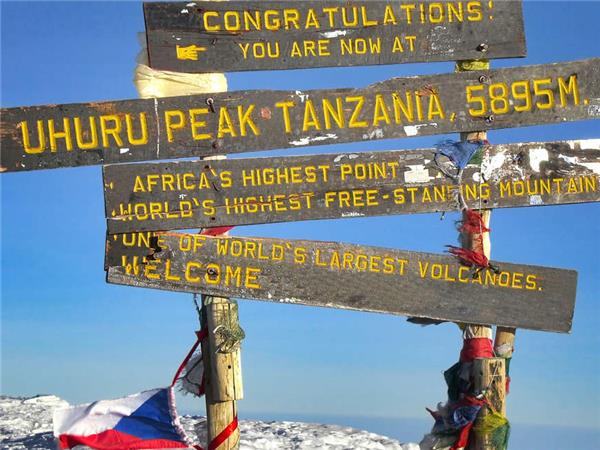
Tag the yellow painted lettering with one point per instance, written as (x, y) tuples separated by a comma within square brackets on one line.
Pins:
[(245, 120), (29, 149), (113, 131), (225, 124), (311, 20), (285, 107), (80, 134), (174, 120), (571, 88), (272, 20), (291, 17), (53, 135), (389, 17), (403, 108), (310, 117), (365, 16), (143, 139), (206, 16), (337, 113), (397, 47), (435, 108), (189, 267), (381, 113), (168, 275), (354, 118), (195, 124)]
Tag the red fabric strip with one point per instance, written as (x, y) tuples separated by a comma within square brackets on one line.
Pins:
[(463, 437), (224, 435), (215, 231), (115, 440), (201, 335), (469, 257), (473, 223), (476, 348)]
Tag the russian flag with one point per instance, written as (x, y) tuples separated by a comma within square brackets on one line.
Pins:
[(147, 420)]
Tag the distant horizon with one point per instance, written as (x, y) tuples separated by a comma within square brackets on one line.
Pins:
[(407, 430)]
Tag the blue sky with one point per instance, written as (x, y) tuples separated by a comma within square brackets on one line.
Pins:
[(66, 332)]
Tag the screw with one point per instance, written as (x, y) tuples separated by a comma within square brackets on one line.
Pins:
[(211, 272), (211, 104), (483, 47), (489, 119), (483, 79)]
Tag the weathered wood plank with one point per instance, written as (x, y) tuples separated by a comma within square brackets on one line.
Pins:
[(266, 35), (344, 276), (199, 194), (135, 130)]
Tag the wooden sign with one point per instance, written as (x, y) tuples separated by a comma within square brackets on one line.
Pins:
[(265, 35), (345, 276), (200, 194), (202, 125)]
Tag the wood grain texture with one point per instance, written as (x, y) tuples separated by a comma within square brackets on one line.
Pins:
[(266, 35), (202, 125), (225, 379), (221, 377), (344, 276), (199, 194)]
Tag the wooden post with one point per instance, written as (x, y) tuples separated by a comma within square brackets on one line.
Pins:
[(480, 243), (504, 342), (489, 378), (504, 346), (223, 370)]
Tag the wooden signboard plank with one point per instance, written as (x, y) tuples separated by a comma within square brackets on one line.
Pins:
[(202, 125), (345, 276), (199, 194), (265, 35)]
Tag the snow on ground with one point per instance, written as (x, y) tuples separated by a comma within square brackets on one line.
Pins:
[(26, 423)]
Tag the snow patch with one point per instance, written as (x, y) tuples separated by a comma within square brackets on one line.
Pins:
[(536, 200), (536, 157), (302, 96), (413, 130), (417, 174), (490, 166), (594, 110), (334, 34), (592, 144), (340, 157), (569, 159), (308, 140), (375, 134), (594, 167), (26, 424), (353, 214)]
